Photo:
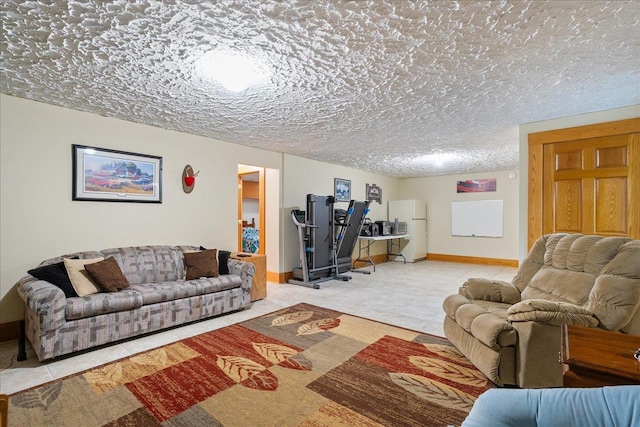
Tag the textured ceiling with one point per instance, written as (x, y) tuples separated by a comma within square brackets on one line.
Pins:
[(378, 85)]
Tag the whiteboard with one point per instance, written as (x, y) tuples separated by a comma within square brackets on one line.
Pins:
[(477, 218)]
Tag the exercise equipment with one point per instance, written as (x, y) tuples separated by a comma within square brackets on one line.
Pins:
[(327, 238)]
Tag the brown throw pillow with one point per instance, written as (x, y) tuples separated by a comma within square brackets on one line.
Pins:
[(108, 275), (201, 264)]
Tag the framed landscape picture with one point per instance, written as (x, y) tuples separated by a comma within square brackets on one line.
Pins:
[(100, 174), (342, 189)]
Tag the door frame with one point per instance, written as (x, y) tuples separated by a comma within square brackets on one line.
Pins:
[(245, 170), (536, 143)]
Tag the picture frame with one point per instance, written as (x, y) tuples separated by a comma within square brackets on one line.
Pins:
[(105, 175), (342, 191), (374, 193), (476, 185)]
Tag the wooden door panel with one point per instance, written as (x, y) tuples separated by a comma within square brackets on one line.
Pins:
[(568, 160), (585, 179), (610, 157), (611, 206), (568, 207)]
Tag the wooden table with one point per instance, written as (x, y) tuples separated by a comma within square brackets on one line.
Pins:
[(593, 357), (259, 287)]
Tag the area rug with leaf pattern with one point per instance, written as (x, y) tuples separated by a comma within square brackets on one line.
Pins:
[(300, 366)]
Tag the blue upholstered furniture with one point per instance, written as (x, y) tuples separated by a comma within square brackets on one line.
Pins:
[(615, 406)]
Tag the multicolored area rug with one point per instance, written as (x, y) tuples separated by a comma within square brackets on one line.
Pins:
[(301, 366)]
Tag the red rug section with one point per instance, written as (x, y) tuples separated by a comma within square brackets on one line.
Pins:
[(175, 389)]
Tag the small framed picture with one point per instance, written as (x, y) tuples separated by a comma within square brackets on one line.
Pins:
[(342, 189), (104, 175), (374, 193)]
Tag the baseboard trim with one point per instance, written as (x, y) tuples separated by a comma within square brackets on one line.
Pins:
[(9, 331), (473, 260), (272, 276)]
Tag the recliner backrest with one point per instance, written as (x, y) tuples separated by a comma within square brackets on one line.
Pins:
[(601, 274)]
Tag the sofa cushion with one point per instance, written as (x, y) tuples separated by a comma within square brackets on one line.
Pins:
[(493, 331), (82, 282), (551, 242), (201, 264), (159, 292), (615, 297), (561, 250), (107, 275), (148, 264), (452, 303), (102, 303), (495, 308), (489, 328), (602, 252), (216, 284), (556, 284), (578, 258)]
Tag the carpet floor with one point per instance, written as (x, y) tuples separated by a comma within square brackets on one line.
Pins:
[(301, 366)]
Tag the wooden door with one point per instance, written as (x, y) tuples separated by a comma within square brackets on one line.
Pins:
[(585, 180)]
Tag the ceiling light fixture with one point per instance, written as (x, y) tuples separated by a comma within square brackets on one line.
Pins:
[(438, 159), (233, 70)]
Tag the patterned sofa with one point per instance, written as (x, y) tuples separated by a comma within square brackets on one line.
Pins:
[(158, 298)]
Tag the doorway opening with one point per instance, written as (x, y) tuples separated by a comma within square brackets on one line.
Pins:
[(251, 208)]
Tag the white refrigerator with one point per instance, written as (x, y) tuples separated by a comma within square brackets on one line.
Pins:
[(414, 213)]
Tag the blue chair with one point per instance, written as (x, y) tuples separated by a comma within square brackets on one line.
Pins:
[(567, 407)]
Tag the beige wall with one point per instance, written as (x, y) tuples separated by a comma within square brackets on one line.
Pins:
[(304, 176), (440, 191), (560, 123), (39, 220)]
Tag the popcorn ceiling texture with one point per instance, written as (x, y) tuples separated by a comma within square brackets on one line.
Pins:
[(372, 85)]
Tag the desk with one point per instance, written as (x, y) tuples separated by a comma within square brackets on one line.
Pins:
[(368, 240)]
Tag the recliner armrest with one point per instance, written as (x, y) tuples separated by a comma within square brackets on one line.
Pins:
[(490, 290), (551, 312)]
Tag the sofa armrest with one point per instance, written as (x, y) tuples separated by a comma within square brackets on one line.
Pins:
[(551, 312), (45, 300), (490, 290), (245, 270)]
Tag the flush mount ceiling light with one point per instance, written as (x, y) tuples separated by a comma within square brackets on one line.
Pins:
[(233, 70), (438, 159)]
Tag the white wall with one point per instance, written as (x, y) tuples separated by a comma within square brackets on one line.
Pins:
[(39, 220), (440, 191), (560, 123), (272, 195)]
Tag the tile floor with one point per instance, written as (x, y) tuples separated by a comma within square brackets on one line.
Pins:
[(406, 295)]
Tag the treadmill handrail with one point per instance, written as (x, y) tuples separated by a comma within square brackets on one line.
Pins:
[(301, 224)]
